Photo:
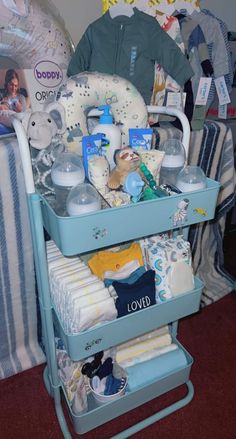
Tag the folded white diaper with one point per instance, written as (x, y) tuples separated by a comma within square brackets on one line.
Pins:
[(79, 297), (91, 315)]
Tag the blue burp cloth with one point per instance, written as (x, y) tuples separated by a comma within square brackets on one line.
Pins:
[(142, 373)]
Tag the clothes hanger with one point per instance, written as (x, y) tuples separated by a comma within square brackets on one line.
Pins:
[(121, 9), (187, 6)]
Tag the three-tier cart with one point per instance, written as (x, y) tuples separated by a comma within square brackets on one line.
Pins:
[(101, 229)]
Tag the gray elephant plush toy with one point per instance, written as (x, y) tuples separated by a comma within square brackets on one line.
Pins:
[(44, 130)]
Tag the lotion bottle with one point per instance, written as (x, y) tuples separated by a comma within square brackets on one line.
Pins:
[(111, 134)]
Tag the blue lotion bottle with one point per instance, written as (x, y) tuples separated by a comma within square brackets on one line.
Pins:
[(110, 132)]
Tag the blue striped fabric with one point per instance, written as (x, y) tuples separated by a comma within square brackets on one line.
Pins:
[(19, 347), (228, 78), (211, 148), (215, 31)]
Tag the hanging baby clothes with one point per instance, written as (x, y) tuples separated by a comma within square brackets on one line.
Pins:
[(196, 49), (216, 46), (197, 52), (129, 47), (224, 30), (162, 81)]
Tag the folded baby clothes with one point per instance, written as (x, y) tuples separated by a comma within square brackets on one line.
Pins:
[(107, 260), (110, 277), (124, 272), (146, 372), (148, 355), (136, 296), (138, 349), (163, 330)]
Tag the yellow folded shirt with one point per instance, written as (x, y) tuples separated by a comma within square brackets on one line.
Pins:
[(112, 261)]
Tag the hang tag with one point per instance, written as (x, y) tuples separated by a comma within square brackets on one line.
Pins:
[(176, 100), (222, 111), (203, 91), (222, 91)]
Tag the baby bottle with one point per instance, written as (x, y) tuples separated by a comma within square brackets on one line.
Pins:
[(67, 171), (191, 178), (83, 198), (173, 161)]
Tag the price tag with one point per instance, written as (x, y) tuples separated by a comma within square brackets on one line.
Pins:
[(203, 91), (222, 91), (222, 111), (176, 100)]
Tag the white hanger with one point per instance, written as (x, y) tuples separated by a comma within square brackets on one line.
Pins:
[(121, 9), (184, 5)]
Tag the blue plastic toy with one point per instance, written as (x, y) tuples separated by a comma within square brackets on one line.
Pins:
[(133, 185)]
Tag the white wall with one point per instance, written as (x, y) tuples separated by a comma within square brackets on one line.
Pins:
[(224, 9), (78, 14)]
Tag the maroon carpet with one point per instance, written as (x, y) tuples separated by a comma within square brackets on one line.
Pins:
[(27, 412)]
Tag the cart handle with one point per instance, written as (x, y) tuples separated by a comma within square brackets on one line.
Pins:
[(170, 111), (25, 150)]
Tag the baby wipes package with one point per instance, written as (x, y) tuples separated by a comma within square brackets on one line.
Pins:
[(140, 138)]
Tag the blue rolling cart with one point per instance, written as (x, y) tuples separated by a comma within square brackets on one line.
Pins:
[(97, 230)]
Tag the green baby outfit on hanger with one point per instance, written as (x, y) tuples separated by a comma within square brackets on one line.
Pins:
[(129, 47)]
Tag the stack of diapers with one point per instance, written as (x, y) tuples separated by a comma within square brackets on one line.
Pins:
[(171, 260), (124, 273), (80, 299), (150, 357)]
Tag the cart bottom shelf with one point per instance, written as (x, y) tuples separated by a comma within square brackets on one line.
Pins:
[(98, 415)]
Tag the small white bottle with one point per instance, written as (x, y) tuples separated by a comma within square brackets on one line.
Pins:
[(67, 171), (83, 198), (112, 134)]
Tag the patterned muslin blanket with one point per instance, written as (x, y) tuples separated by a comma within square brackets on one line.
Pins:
[(19, 348)]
